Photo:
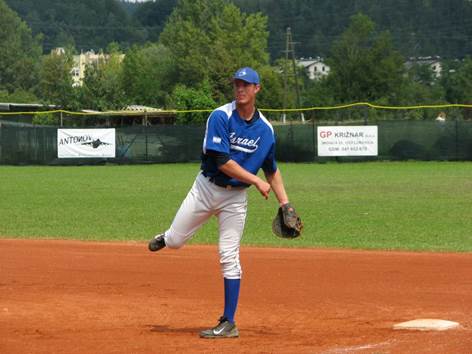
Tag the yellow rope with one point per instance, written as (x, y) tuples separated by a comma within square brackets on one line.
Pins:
[(370, 105), (327, 108)]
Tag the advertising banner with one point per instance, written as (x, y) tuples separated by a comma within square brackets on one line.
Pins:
[(348, 140), (76, 143)]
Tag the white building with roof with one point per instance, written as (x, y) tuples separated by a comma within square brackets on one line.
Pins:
[(315, 68), (434, 63), (81, 61)]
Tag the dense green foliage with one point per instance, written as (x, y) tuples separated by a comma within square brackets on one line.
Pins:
[(19, 52), (103, 89), (209, 40), (368, 205), (85, 24), (195, 46), (418, 27), (364, 65), (148, 75), (55, 81), (152, 16), (185, 98)]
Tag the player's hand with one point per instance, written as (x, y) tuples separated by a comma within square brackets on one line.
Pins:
[(263, 187)]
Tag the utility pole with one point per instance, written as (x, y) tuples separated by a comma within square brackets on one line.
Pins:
[(290, 49), (284, 101)]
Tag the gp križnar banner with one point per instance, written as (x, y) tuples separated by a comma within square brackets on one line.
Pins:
[(348, 140), (76, 143)]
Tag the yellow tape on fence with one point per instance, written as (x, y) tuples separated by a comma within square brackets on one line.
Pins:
[(367, 104), (106, 113), (327, 108)]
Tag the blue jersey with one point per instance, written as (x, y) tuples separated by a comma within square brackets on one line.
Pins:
[(250, 144)]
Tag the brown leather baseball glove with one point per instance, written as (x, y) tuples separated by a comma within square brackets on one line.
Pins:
[(287, 223)]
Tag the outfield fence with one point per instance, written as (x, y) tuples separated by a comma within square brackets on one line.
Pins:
[(24, 144)]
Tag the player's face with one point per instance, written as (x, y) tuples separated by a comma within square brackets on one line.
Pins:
[(245, 92)]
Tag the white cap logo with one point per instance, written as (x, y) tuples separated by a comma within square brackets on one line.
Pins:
[(248, 75)]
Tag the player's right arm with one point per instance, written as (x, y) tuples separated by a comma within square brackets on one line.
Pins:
[(217, 143), (233, 169)]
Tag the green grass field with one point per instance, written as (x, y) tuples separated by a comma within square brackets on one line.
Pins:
[(377, 205)]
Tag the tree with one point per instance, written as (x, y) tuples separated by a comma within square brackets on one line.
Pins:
[(422, 74), (55, 81), (19, 52), (102, 88), (148, 75), (421, 87), (153, 15), (457, 81), (185, 98), (317, 93), (90, 24), (209, 40), (418, 27), (272, 90), (17, 96), (364, 65)]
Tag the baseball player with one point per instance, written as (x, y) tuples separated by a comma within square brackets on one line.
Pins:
[(238, 141)]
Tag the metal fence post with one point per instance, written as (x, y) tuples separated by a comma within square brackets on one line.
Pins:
[(314, 139), (146, 142), (146, 134), (457, 139)]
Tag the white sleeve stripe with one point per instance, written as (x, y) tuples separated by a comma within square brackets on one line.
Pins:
[(205, 138), (228, 109), (264, 119)]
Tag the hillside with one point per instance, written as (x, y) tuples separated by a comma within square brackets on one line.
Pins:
[(84, 24), (418, 27)]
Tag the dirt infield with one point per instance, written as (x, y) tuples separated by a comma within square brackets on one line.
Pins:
[(80, 297)]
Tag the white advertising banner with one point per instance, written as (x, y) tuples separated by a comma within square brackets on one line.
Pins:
[(348, 141), (73, 143)]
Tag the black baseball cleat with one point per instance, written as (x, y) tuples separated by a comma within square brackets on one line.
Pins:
[(157, 243), (224, 329)]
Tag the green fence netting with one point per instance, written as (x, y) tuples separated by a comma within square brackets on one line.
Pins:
[(23, 144)]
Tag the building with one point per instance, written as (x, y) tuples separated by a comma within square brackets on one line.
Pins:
[(315, 68), (22, 112), (434, 64), (133, 115), (81, 61), (25, 107)]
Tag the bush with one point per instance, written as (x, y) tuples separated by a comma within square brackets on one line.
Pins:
[(46, 119), (184, 98), (406, 149)]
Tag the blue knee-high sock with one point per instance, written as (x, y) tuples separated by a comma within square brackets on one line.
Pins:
[(231, 298)]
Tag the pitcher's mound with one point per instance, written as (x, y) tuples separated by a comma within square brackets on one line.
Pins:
[(427, 325)]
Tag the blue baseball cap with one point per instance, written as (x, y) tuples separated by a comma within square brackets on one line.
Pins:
[(247, 74)]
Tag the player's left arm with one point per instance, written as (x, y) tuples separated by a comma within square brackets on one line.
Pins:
[(274, 177), (277, 185), (287, 223)]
